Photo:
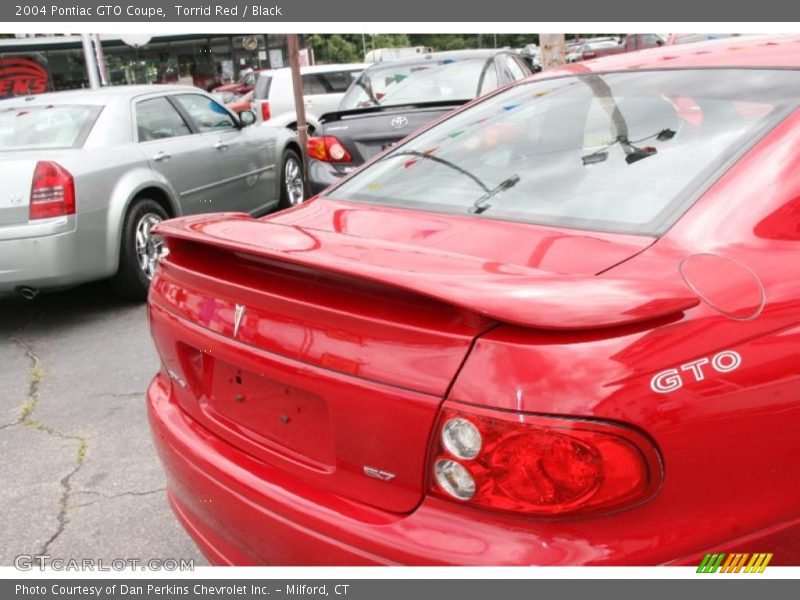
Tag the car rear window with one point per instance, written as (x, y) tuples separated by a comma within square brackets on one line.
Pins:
[(333, 82), (52, 126), (624, 152), (262, 86), (423, 81)]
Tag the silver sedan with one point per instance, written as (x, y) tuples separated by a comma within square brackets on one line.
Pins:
[(87, 174)]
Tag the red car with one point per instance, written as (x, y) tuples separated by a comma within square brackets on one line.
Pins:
[(240, 87), (243, 103), (559, 326)]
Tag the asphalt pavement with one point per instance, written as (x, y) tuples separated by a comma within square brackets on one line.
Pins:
[(79, 476)]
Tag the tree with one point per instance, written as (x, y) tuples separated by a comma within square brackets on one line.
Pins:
[(333, 48), (390, 40)]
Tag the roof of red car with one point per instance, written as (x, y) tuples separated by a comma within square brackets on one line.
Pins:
[(745, 51)]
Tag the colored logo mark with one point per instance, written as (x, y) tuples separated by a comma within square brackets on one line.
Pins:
[(735, 562)]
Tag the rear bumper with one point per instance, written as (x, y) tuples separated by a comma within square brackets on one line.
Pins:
[(322, 175), (39, 255), (242, 512)]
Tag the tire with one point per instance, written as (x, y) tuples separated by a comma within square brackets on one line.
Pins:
[(136, 262), (310, 128), (293, 187)]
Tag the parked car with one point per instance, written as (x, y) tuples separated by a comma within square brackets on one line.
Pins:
[(577, 53), (532, 55), (243, 85), (390, 100), (576, 46), (323, 88), (389, 54), (241, 103), (557, 327), (89, 173), (632, 43)]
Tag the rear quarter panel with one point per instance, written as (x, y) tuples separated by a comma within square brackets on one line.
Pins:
[(728, 439)]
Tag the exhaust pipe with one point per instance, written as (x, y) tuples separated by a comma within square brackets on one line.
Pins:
[(28, 292)]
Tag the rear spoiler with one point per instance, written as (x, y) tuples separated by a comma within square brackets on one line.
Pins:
[(503, 292), (339, 115)]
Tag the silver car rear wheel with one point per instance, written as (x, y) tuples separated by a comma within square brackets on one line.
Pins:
[(140, 248), (148, 246)]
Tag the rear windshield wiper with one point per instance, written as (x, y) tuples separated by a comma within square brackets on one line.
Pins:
[(441, 161), (481, 204)]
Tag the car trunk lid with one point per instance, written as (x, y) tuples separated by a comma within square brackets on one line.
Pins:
[(328, 354), (366, 132), (15, 197)]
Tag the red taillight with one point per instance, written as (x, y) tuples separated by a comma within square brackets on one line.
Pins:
[(328, 149), (52, 191), (540, 465), (265, 111)]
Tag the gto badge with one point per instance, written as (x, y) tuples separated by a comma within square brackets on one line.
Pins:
[(238, 314), (378, 474), (671, 380)]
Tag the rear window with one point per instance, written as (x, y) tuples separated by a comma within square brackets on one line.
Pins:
[(33, 127), (625, 152), (425, 81), (334, 82), (262, 87)]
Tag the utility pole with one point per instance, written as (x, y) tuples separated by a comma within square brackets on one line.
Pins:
[(299, 104), (554, 50), (88, 57)]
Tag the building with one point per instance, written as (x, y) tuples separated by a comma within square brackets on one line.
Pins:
[(49, 63)]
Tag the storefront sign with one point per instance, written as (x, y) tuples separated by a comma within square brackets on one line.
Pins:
[(22, 77)]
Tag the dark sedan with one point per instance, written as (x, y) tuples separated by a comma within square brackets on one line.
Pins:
[(390, 100)]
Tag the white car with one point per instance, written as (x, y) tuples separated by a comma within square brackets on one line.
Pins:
[(323, 86)]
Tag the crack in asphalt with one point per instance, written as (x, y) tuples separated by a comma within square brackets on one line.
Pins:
[(36, 375), (63, 504), (104, 497), (125, 395)]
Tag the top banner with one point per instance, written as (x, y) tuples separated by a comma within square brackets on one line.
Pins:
[(497, 11)]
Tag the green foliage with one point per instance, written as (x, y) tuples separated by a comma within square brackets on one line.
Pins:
[(333, 48), (383, 40), (345, 48)]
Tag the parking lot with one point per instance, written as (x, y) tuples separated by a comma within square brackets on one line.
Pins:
[(79, 471)]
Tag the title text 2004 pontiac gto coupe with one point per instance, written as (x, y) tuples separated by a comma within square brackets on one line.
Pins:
[(559, 326)]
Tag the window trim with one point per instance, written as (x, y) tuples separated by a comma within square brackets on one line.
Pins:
[(139, 101)]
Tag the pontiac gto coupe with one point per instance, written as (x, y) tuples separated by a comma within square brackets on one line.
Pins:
[(559, 326)]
